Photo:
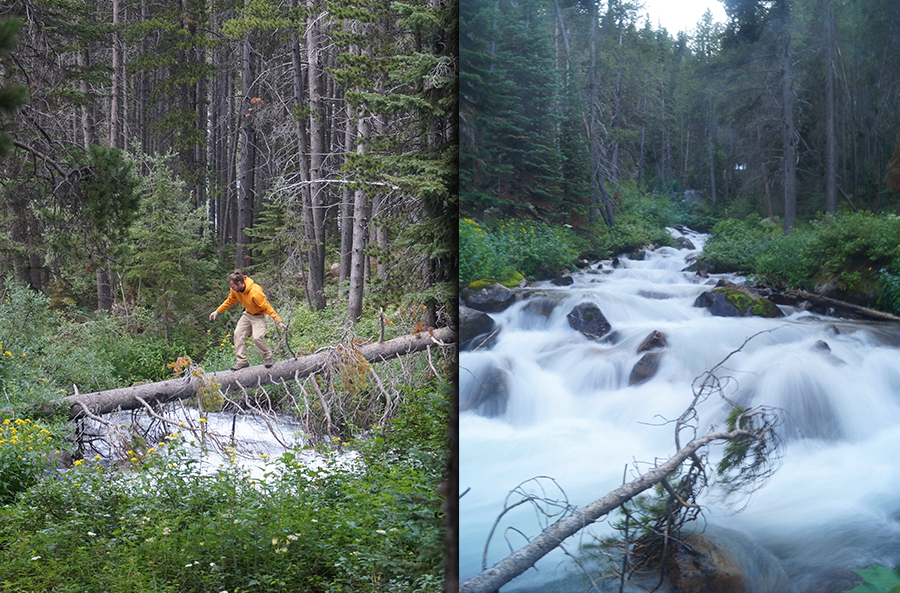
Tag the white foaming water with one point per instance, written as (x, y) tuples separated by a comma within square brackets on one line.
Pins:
[(832, 505)]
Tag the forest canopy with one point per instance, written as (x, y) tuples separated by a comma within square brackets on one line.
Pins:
[(787, 109)]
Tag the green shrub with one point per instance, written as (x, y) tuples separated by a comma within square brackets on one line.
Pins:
[(733, 243), (535, 249), (839, 242), (631, 234), (888, 292), (780, 260), (25, 452), (168, 524), (478, 256)]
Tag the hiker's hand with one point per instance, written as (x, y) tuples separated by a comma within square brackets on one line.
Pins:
[(282, 326), (212, 316)]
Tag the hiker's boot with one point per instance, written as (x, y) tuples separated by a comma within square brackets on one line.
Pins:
[(239, 366), (269, 362)]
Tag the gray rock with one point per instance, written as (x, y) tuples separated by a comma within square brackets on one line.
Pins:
[(489, 395), (493, 299), (589, 320), (655, 340), (472, 325), (645, 368)]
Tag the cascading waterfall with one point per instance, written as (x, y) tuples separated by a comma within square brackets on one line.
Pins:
[(554, 403)]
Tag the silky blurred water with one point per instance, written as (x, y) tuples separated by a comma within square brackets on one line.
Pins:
[(571, 415)]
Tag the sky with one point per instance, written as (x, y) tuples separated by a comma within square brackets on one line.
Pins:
[(681, 15)]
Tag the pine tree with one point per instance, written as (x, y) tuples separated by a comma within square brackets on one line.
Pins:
[(12, 95)]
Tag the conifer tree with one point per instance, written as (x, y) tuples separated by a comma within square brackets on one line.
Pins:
[(12, 95)]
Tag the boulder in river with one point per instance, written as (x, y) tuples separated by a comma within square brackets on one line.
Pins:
[(684, 243), (654, 340), (589, 320), (490, 393), (728, 301), (490, 299), (540, 306), (472, 325), (699, 566), (645, 368), (564, 280)]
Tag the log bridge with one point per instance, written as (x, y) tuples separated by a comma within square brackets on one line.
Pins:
[(128, 398)]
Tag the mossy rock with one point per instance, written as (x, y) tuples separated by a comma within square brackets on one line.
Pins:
[(480, 285), (512, 280), (733, 302)]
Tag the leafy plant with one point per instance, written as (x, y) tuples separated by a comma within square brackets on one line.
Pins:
[(877, 579), (25, 452), (479, 258), (732, 246)]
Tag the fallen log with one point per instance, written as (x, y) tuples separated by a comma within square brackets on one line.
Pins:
[(490, 580), (841, 308), (127, 398)]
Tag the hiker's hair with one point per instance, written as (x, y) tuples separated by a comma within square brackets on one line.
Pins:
[(236, 277)]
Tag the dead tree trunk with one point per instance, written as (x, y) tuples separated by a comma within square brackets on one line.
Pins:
[(490, 580), (128, 398)]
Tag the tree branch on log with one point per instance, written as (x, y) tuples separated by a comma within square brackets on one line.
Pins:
[(490, 580), (125, 398)]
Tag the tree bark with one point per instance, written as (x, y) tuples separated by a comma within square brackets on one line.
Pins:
[(788, 132), (125, 398), (830, 134), (360, 228), (490, 580), (315, 212), (242, 256), (712, 154)]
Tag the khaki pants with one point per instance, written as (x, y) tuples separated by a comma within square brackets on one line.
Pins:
[(247, 324)]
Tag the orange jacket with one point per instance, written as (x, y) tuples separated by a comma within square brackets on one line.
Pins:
[(253, 300)]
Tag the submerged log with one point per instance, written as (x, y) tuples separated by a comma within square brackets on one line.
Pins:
[(128, 398)]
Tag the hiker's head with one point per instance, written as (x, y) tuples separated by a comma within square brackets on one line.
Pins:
[(236, 281)]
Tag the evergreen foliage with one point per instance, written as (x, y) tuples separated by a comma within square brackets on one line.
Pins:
[(166, 262), (12, 95)]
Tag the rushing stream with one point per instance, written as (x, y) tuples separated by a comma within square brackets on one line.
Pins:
[(832, 506)]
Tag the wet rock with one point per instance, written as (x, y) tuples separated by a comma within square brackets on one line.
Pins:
[(718, 304), (473, 325), (656, 339), (645, 368), (726, 301), (699, 267), (684, 243), (658, 296), (541, 306), (616, 263), (589, 320), (489, 395), (821, 346), (638, 255), (563, 281), (491, 299), (699, 566)]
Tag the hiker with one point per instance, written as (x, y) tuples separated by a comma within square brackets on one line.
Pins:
[(248, 293)]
